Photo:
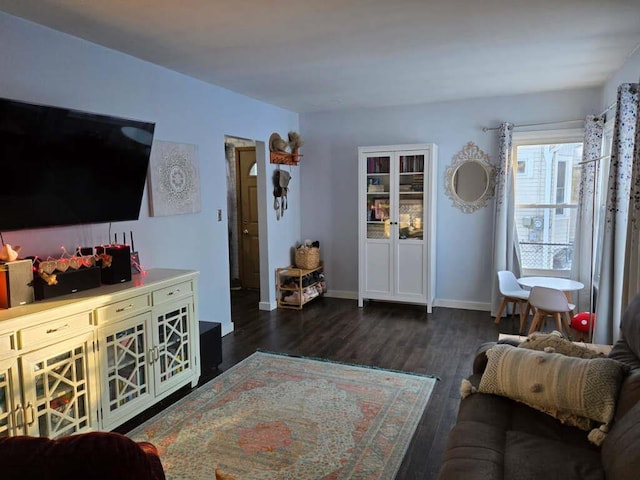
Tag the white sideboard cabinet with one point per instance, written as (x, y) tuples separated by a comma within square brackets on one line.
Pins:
[(94, 359), (396, 223)]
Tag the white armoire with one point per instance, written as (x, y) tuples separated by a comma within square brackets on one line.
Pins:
[(396, 223)]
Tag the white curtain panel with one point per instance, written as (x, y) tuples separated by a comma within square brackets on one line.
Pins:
[(632, 250), (610, 289), (504, 238), (582, 265)]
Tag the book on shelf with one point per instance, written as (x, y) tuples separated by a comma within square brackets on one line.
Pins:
[(377, 165)]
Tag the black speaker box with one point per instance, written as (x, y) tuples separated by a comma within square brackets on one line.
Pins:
[(210, 345), (16, 283), (70, 281), (119, 270)]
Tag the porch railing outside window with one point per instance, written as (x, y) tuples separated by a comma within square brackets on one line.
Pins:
[(546, 236), (546, 205)]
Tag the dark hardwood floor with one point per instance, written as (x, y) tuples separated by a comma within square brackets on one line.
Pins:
[(394, 336)]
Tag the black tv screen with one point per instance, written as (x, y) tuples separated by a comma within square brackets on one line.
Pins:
[(66, 167)]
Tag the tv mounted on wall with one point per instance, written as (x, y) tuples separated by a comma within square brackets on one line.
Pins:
[(60, 166)]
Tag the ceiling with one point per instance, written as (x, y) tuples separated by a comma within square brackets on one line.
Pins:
[(319, 55)]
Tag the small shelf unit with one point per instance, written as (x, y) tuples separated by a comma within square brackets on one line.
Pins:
[(292, 281), (285, 158)]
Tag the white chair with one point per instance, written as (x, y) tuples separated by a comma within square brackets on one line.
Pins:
[(550, 302), (515, 294)]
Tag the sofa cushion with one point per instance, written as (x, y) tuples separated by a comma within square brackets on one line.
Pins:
[(621, 448), (573, 390), (507, 414), (558, 344), (480, 451), (629, 394), (475, 451), (630, 326), (529, 457)]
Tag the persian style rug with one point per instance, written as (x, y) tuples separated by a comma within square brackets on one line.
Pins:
[(279, 417)]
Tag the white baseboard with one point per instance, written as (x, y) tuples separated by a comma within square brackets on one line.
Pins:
[(462, 304), (267, 306), (438, 302), (227, 328), (349, 295)]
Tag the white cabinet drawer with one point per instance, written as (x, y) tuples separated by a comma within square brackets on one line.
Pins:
[(178, 290), (124, 308), (6, 344), (51, 331)]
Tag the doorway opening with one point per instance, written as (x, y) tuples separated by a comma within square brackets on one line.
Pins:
[(242, 208)]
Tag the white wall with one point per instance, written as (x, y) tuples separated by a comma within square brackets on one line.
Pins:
[(628, 73), (41, 65), (464, 241)]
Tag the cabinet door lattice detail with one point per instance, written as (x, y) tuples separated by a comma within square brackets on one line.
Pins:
[(11, 421), (173, 342), (127, 368), (61, 402)]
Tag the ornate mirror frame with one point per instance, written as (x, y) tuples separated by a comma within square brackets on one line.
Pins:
[(470, 153)]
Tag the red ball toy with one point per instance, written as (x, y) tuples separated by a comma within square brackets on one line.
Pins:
[(581, 321)]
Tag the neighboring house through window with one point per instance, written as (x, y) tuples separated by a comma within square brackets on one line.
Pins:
[(546, 186)]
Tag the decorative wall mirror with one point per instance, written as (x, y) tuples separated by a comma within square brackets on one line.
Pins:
[(470, 179)]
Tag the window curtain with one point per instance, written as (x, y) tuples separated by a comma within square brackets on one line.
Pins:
[(632, 250), (610, 305), (582, 265), (504, 236)]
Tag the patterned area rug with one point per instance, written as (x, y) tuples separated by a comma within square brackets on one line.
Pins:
[(278, 417)]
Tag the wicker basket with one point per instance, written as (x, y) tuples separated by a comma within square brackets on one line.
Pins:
[(307, 258)]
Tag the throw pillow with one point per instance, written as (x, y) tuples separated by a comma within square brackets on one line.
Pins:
[(556, 343), (576, 391)]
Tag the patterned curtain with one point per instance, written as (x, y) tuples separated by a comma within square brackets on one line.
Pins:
[(632, 259), (505, 243), (610, 306), (582, 265)]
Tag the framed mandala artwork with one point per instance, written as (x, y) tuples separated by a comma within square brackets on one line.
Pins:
[(174, 179)]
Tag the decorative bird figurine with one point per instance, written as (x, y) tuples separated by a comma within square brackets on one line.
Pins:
[(9, 254)]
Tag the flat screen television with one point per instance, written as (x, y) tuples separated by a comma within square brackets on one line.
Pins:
[(60, 166)]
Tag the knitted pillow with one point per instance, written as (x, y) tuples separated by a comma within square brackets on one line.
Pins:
[(555, 343), (576, 391)]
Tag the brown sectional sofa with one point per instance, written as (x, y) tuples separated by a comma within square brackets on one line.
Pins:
[(498, 438), (90, 456)]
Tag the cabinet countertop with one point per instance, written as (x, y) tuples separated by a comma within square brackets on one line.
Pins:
[(105, 293)]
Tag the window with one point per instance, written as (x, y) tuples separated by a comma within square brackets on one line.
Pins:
[(546, 195), (561, 187)]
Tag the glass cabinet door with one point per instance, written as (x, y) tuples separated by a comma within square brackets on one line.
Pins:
[(57, 388), (410, 170), (125, 381), (11, 411), (172, 355), (378, 197)]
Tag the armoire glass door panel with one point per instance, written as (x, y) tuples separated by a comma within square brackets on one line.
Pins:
[(378, 197), (411, 197)]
